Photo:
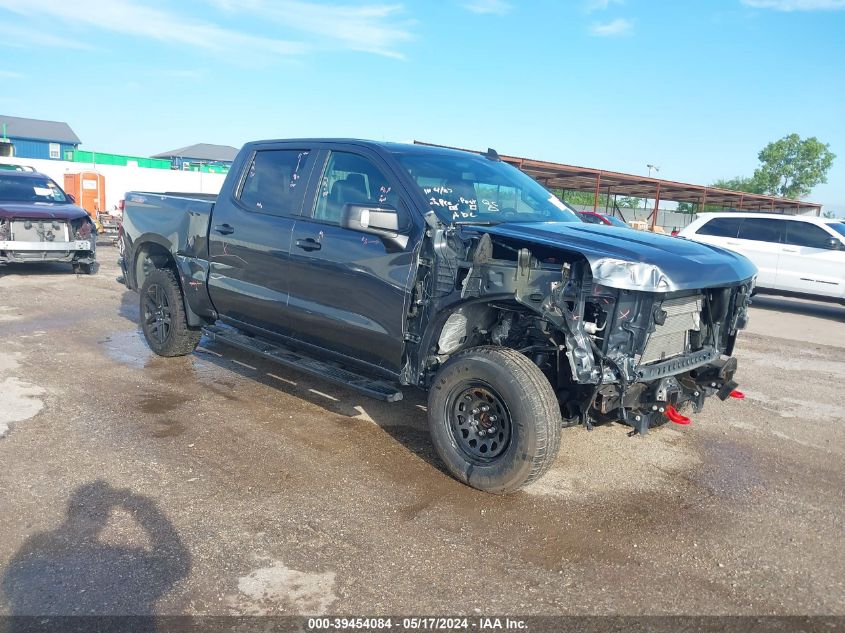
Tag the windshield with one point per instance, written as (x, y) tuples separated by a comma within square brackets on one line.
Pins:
[(839, 227), (590, 218), (471, 189), (616, 221), (29, 189)]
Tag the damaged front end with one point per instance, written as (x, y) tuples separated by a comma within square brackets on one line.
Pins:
[(636, 355), (48, 239), (617, 339)]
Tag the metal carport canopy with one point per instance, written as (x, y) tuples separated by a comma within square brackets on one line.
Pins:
[(600, 181)]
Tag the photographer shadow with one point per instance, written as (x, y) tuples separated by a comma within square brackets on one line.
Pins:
[(70, 571)]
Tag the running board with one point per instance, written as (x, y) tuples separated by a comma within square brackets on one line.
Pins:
[(379, 389)]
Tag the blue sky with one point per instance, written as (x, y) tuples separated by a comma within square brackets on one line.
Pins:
[(696, 87)]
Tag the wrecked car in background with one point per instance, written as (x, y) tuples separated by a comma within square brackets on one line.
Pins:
[(40, 223), (377, 265)]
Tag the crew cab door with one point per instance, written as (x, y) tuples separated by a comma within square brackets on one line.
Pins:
[(350, 290), (250, 234), (809, 262)]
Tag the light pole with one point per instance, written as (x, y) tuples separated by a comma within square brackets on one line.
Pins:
[(650, 169)]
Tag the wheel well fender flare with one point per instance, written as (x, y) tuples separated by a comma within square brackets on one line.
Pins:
[(432, 333), (160, 253)]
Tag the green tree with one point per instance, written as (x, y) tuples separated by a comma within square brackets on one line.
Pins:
[(792, 166), (789, 168), (740, 183), (627, 202), (581, 198)]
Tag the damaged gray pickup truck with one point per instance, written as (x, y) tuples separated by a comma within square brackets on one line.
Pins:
[(377, 265)]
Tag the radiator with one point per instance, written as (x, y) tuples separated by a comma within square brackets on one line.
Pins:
[(670, 339)]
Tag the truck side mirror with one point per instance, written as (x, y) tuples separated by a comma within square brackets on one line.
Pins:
[(835, 245), (375, 220), (71, 197)]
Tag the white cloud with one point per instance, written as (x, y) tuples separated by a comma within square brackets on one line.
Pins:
[(496, 7), (599, 5), (371, 28), (796, 5), (8, 74), (129, 18), (617, 27)]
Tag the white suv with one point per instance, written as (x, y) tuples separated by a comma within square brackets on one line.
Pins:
[(796, 255)]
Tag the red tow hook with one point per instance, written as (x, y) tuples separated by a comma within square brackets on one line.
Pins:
[(675, 416), (737, 394)]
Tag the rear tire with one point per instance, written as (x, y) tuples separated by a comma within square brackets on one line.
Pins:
[(494, 419), (163, 318)]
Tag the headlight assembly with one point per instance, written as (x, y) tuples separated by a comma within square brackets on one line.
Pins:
[(618, 273)]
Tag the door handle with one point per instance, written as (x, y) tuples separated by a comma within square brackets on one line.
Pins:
[(309, 244), (732, 243), (224, 229), (790, 250)]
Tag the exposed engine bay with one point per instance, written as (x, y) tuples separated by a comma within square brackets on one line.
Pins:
[(618, 340)]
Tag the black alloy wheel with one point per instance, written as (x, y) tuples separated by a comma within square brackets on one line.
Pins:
[(157, 314)]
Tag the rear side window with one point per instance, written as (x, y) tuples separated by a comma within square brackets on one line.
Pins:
[(806, 234), (761, 230), (721, 227), (274, 182)]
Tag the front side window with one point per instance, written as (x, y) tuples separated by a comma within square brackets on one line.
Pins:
[(351, 179), (13, 189), (471, 189), (761, 230), (807, 235), (273, 182), (720, 227), (839, 227)]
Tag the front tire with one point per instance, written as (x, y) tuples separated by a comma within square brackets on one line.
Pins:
[(163, 318), (494, 419)]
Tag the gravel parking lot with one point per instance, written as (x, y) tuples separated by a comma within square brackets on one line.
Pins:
[(222, 484)]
